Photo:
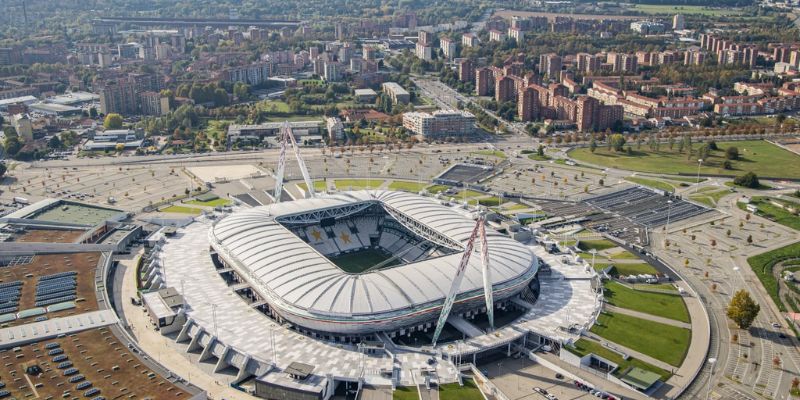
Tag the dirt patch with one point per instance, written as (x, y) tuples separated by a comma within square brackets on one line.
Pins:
[(98, 356)]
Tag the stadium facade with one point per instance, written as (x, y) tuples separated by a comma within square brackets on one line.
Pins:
[(356, 263)]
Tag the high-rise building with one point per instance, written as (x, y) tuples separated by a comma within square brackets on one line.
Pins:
[(253, 74), (448, 47), (423, 52), (425, 38), (496, 36), (346, 52), (483, 81), (528, 104), (517, 34), (118, 97), (333, 71), (466, 72), (587, 63), (152, 103), (504, 89), (469, 40), (678, 22), (550, 65)]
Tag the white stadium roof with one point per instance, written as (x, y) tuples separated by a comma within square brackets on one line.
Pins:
[(281, 266)]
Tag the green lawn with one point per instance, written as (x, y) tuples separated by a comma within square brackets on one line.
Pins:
[(760, 157), (660, 341), (624, 255), (774, 213), (492, 153), (360, 261), (414, 187), (319, 186), (661, 305), (625, 269), (536, 157), (583, 347), (488, 202), (653, 183), (468, 194), (599, 245), (453, 391), (182, 210), (516, 206), (356, 184), (406, 393), (276, 106), (762, 266), (210, 203), (676, 9), (437, 188), (709, 198)]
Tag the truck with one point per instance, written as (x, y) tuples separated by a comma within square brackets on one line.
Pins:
[(21, 200)]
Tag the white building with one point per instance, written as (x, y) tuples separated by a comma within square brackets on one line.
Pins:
[(443, 123), (448, 47), (335, 129), (423, 52), (678, 22)]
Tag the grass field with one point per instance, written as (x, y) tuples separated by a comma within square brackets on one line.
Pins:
[(356, 184), (437, 188), (599, 245), (675, 9), (661, 305), (710, 198), (358, 262), (760, 157), (210, 203), (452, 391), (774, 213), (762, 266), (583, 347), (625, 269), (488, 202), (624, 255), (319, 186), (275, 106), (536, 157), (653, 183), (405, 393), (468, 194), (182, 210), (414, 187), (660, 341), (491, 153)]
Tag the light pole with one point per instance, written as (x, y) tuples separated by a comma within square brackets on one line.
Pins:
[(669, 209), (711, 361), (699, 163), (594, 253)]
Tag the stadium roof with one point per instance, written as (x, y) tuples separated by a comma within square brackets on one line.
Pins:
[(282, 266)]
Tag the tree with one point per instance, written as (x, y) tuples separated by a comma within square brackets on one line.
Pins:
[(727, 165), (617, 142), (592, 145), (3, 169), (732, 153), (54, 142), (93, 112), (748, 180), (742, 309), (749, 239), (113, 121), (540, 151)]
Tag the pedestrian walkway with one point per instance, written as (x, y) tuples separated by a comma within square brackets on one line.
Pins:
[(654, 318)]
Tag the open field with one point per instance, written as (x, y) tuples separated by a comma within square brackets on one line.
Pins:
[(662, 305), (357, 184), (710, 198), (181, 210), (491, 153), (319, 186), (414, 187), (360, 261), (774, 213), (660, 341), (599, 245), (583, 347), (653, 183), (405, 393), (681, 9), (210, 203), (762, 265), (452, 391), (760, 157)]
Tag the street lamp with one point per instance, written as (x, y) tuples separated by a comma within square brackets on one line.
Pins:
[(669, 209), (699, 163), (711, 361), (593, 252)]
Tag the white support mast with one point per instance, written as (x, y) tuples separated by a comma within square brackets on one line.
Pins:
[(487, 275), (451, 296), (287, 138)]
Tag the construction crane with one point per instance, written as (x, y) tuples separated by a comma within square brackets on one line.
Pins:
[(287, 139), (478, 231)]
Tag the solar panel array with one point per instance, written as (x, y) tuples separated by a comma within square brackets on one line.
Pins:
[(56, 288), (10, 293)]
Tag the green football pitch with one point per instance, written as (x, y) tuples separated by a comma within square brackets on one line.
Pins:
[(360, 261)]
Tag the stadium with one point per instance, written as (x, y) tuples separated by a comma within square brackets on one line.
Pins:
[(348, 265)]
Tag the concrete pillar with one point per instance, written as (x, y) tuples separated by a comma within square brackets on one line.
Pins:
[(243, 374), (194, 344), (221, 362), (206, 353), (508, 350), (183, 335)]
